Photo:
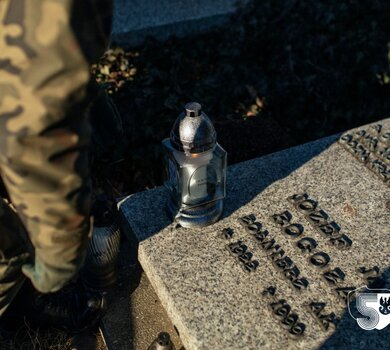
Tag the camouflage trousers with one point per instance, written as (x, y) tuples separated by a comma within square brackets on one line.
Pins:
[(46, 47)]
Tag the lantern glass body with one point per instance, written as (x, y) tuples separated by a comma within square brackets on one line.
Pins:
[(195, 179)]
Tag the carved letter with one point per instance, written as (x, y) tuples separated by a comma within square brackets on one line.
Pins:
[(320, 259), (294, 230), (334, 276), (307, 205), (341, 242), (282, 219), (247, 220), (306, 244)]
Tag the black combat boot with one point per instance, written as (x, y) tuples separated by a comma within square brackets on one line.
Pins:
[(74, 309)]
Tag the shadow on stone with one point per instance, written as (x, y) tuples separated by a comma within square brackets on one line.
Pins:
[(349, 335), (135, 314), (118, 328)]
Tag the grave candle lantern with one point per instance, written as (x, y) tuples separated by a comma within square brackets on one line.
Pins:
[(195, 169)]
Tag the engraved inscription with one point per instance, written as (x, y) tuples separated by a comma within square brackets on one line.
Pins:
[(243, 255), (227, 233), (373, 276), (320, 259), (273, 250), (371, 147), (317, 310), (308, 246), (320, 220), (283, 312), (334, 276)]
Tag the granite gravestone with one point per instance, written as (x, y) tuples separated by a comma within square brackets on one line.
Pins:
[(134, 20), (302, 228)]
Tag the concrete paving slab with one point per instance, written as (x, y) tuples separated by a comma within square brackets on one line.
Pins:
[(135, 314)]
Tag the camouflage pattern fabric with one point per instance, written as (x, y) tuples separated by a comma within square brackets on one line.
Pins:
[(45, 50)]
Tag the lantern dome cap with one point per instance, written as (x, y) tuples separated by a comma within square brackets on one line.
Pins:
[(193, 131)]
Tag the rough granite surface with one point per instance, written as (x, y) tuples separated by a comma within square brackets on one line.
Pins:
[(216, 305), (135, 19)]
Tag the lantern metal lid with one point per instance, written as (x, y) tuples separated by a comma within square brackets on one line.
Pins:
[(193, 131)]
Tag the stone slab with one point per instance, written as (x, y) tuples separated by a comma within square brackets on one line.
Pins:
[(216, 305), (135, 19)]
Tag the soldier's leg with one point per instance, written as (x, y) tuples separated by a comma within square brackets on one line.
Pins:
[(15, 251), (44, 135), (45, 50)]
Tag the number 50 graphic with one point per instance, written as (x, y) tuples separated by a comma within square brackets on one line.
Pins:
[(373, 306)]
